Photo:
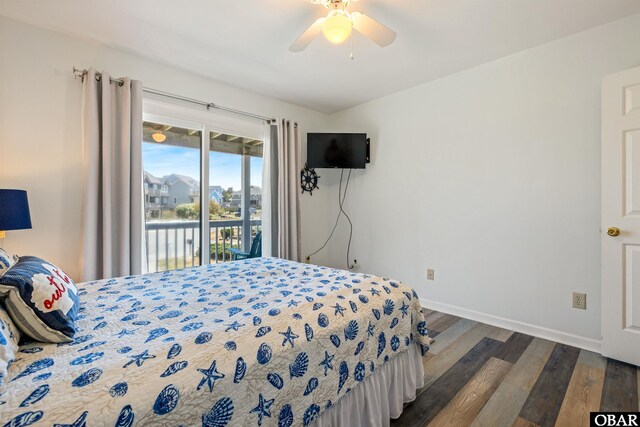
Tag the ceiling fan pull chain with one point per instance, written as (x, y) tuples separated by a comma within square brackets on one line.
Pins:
[(352, 56)]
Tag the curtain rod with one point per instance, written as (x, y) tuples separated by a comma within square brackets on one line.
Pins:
[(80, 73)]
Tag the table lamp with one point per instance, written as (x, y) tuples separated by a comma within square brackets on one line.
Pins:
[(14, 211)]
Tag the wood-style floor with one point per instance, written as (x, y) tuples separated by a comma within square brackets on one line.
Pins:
[(480, 375)]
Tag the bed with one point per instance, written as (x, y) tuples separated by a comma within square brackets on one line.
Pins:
[(256, 342)]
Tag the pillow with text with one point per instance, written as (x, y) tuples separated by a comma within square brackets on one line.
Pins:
[(41, 299)]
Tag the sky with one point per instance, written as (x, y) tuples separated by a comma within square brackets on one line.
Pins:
[(224, 169)]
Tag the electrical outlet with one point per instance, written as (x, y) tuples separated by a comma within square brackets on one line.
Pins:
[(430, 274), (580, 301)]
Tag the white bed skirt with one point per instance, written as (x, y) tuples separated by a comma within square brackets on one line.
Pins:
[(380, 397)]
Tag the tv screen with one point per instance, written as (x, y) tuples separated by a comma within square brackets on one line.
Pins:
[(337, 150)]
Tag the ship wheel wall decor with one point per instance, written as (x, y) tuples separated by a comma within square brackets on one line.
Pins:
[(308, 179)]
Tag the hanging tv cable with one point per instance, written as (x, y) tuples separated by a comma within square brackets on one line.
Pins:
[(341, 198)]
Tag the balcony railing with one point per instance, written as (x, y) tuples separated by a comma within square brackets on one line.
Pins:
[(176, 244)]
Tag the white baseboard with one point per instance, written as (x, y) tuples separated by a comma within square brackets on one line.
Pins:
[(514, 325)]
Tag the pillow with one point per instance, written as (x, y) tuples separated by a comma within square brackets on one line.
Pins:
[(6, 261), (41, 299), (9, 337)]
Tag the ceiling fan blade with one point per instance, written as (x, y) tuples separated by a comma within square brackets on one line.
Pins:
[(372, 29), (307, 37)]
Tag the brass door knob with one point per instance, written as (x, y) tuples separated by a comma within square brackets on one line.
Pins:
[(613, 231)]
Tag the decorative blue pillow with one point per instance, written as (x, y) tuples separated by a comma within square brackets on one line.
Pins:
[(6, 261), (9, 337), (41, 299)]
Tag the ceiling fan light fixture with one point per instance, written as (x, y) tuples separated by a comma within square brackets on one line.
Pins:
[(337, 27), (159, 137), (339, 24)]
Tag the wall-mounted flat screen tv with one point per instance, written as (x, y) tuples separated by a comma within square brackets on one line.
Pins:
[(337, 150)]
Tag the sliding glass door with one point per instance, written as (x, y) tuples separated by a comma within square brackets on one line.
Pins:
[(202, 188), (235, 185), (171, 157)]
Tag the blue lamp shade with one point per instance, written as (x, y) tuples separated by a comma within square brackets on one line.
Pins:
[(14, 210)]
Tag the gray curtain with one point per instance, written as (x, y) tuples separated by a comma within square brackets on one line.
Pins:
[(281, 203), (270, 192), (112, 210)]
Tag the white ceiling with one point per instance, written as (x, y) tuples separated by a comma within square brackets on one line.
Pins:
[(245, 42)]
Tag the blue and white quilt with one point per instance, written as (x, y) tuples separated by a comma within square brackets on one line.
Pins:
[(258, 342)]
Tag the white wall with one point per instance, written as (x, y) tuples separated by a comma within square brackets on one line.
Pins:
[(40, 133), (492, 177)]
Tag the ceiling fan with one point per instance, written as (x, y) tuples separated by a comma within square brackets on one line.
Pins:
[(339, 23)]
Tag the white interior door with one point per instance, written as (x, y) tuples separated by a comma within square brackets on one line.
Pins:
[(621, 216)]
